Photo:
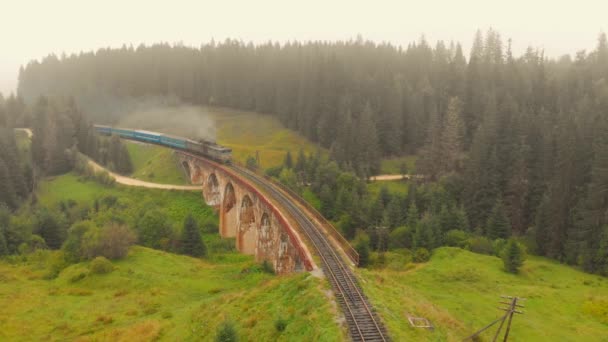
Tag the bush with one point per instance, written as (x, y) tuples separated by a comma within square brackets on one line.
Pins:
[(101, 265), (481, 245), (280, 324), (456, 238), (267, 267), (274, 171), (226, 332), (112, 242), (422, 255), (362, 248), (498, 246), (400, 237)]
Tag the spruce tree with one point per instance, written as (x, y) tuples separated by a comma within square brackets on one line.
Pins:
[(513, 256), (498, 226), (7, 193), (3, 245), (191, 242), (288, 163)]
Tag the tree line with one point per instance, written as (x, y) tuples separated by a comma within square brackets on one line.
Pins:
[(523, 135)]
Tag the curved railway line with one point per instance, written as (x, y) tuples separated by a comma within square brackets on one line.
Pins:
[(363, 323)]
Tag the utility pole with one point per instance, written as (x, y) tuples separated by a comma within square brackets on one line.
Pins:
[(511, 309)]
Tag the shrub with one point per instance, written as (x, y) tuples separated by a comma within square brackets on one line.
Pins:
[(481, 245), (422, 255), (498, 246), (280, 324), (226, 332), (400, 237), (101, 265), (456, 238), (112, 242), (362, 248), (267, 267)]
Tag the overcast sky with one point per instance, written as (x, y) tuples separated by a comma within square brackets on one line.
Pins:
[(32, 29)]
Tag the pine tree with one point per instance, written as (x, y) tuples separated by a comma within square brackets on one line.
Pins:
[(513, 256), (3, 245), (362, 248), (452, 136), (7, 193), (498, 226), (191, 242), (288, 163), (412, 216)]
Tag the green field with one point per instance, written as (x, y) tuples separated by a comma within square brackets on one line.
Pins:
[(459, 292), (247, 132), (153, 295), (155, 164), (132, 202), (397, 187), (392, 166)]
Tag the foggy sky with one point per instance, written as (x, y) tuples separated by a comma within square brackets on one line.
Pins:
[(32, 29)]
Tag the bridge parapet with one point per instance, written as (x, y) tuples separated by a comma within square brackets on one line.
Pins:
[(248, 215)]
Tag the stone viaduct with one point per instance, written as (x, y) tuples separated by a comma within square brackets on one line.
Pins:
[(246, 214)]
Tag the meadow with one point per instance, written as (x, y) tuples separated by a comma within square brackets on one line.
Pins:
[(459, 292), (157, 296), (151, 294), (155, 164)]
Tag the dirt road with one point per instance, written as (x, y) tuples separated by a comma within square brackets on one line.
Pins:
[(393, 177), (26, 130), (136, 182)]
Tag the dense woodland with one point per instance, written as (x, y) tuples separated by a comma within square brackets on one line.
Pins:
[(517, 145)]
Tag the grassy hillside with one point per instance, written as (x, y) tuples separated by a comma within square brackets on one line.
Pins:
[(153, 295), (459, 291), (247, 132), (131, 201), (397, 187), (393, 165), (155, 164)]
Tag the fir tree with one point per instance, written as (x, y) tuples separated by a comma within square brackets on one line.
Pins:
[(288, 163), (513, 256), (191, 242), (498, 226)]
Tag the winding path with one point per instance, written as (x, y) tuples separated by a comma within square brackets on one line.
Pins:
[(136, 182), (128, 180)]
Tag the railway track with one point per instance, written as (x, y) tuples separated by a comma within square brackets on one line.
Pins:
[(363, 323)]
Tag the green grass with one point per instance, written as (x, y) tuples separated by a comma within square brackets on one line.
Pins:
[(393, 165), (153, 295), (397, 187), (155, 164), (459, 292), (132, 202), (248, 132), (245, 132)]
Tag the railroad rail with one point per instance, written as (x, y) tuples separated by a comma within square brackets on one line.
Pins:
[(363, 323)]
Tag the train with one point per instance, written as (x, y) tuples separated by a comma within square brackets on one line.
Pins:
[(202, 147)]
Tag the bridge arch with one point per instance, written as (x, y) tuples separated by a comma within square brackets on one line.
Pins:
[(211, 191), (228, 215), (197, 176), (246, 233), (265, 241), (186, 167)]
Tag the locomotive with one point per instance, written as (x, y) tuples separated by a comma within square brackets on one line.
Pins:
[(202, 147)]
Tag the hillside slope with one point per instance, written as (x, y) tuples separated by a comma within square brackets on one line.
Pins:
[(459, 292), (153, 295)]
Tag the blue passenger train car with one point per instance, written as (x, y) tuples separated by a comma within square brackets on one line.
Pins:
[(205, 148)]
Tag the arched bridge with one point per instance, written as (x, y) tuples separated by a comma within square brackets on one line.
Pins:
[(248, 215)]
